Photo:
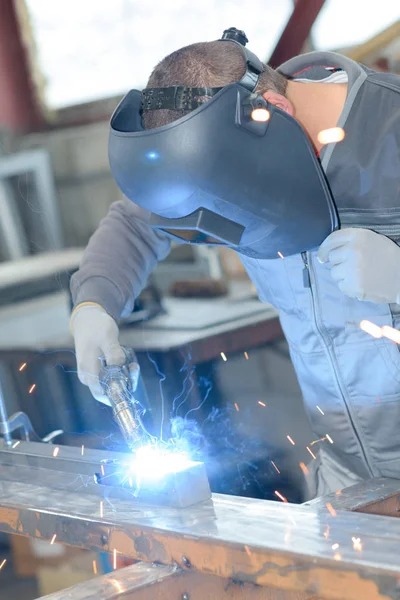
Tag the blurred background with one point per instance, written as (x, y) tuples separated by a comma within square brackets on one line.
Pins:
[(198, 326)]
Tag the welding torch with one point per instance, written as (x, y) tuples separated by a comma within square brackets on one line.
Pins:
[(119, 383)]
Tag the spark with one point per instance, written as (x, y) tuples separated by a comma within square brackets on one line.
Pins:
[(248, 552), (261, 403), (280, 496), (338, 492), (335, 546), (337, 556), (320, 410), (275, 467), (56, 451), (115, 559), (236, 406), (331, 509), (316, 441), (53, 539), (246, 355), (357, 545), (22, 367), (3, 563), (16, 444), (223, 356), (391, 333), (326, 532), (371, 328), (304, 468), (331, 135), (280, 254), (328, 437), (311, 452), (94, 567), (32, 388), (290, 440), (102, 470), (101, 509), (83, 449)]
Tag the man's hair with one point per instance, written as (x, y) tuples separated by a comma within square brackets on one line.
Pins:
[(206, 64)]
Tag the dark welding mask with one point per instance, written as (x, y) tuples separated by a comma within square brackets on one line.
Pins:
[(235, 171)]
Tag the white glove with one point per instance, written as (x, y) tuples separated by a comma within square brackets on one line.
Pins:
[(365, 264), (96, 335)]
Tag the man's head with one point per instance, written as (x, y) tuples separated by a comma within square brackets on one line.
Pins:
[(209, 64), (220, 174)]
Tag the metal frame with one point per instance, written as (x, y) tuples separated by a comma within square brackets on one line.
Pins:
[(309, 550), (38, 163)]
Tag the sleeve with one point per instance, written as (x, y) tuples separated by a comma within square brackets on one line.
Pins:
[(118, 260)]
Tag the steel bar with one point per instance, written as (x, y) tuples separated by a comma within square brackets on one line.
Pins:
[(125, 583), (379, 496), (105, 474), (340, 556), (296, 31), (142, 582)]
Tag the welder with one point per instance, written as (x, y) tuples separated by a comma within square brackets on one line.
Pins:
[(222, 149)]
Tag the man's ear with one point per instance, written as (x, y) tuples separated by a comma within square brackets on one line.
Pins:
[(278, 100)]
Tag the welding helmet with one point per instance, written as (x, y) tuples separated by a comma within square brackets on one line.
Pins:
[(234, 171)]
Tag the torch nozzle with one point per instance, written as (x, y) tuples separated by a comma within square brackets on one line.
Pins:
[(119, 384)]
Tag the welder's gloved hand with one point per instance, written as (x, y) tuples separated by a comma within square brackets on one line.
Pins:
[(96, 335), (365, 264)]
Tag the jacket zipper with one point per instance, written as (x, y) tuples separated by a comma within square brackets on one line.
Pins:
[(307, 283)]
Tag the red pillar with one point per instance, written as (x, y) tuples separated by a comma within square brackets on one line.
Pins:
[(19, 107), (296, 31)]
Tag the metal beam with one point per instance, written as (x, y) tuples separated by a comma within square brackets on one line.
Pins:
[(142, 581), (19, 106), (296, 32), (289, 547), (380, 496)]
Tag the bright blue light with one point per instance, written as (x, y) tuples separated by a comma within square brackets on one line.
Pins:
[(152, 155), (153, 462)]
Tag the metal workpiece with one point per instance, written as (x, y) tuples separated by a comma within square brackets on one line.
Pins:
[(137, 582), (104, 474), (334, 555), (158, 582), (379, 496), (119, 384)]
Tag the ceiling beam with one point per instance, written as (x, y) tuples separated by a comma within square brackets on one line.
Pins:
[(296, 31)]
